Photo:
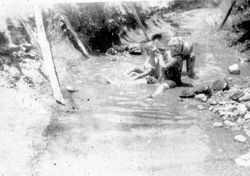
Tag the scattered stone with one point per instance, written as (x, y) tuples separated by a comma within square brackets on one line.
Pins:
[(29, 81), (222, 103), (135, 49), (113, 59), (201, 97), (247, 116), (200, 107), (229, 107), (242, 59), (211, 108), (242, 110), (240, 121), (178, 118), (229, 123), (187, 93), (218, 124), (236, 128), (203, 90), (111, 51), (70, 89), (234, 69), (180, 99), (151, 80), (247, 106), (220, 84), (30, 55), (240, 138), (212, 102), (237, 95), (246, 97), (27, 46), (244, 160), (118, 48)]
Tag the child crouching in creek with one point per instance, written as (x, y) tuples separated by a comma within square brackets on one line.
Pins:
[(171, 71), (151, 68)]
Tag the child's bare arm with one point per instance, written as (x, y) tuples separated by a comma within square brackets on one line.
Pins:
[(144, 74)]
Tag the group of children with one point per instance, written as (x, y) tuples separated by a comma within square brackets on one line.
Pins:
[(165, 66)]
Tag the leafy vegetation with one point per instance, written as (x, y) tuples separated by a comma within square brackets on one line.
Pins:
[(240, 25)]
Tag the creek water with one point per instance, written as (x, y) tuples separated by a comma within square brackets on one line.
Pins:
[(117, 131)]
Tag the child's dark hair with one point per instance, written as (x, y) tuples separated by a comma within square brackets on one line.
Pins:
[(156, 36)]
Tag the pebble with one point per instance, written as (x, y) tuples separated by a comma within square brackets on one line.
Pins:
[(229, 123), (201, 97), (70, 89), (200, 107), (247, 106), (178, 118), (242, 162), (211, 108), (212, 102), (240, 138), (220, 84), (203, 90), (230, 108), (218, 124), (242, 109), (236, 128), (247, 116), (237, 95), (234, 69), (187, 93), (242, 59), (246, 97)]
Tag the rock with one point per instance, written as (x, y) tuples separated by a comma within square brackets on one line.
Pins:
[(111, 51), (240, 138), (135, 49), (151, 80), (187, 93), (242, 110), (240, 121), (212, 102), (200, 107), (229, 107), (27, 46), (246, 97), (247, 106), (201, 97), (70, 89), (180, 99), (220, 84), (244, 160), (222, 102), (211, 108), (229, 123), (178, 118), (247, 116), (203, 90), (113, 59), (234, 69), (236, 128), (29, 81), (118, 48), (237, 95), (218, 124), (242, 59)]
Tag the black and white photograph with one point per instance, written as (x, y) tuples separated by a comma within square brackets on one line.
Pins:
[(125, 88)]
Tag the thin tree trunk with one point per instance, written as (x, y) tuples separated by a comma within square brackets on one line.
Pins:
[(74, 37), (227, 15), (139, 22), (29, 31), (47, 56)]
